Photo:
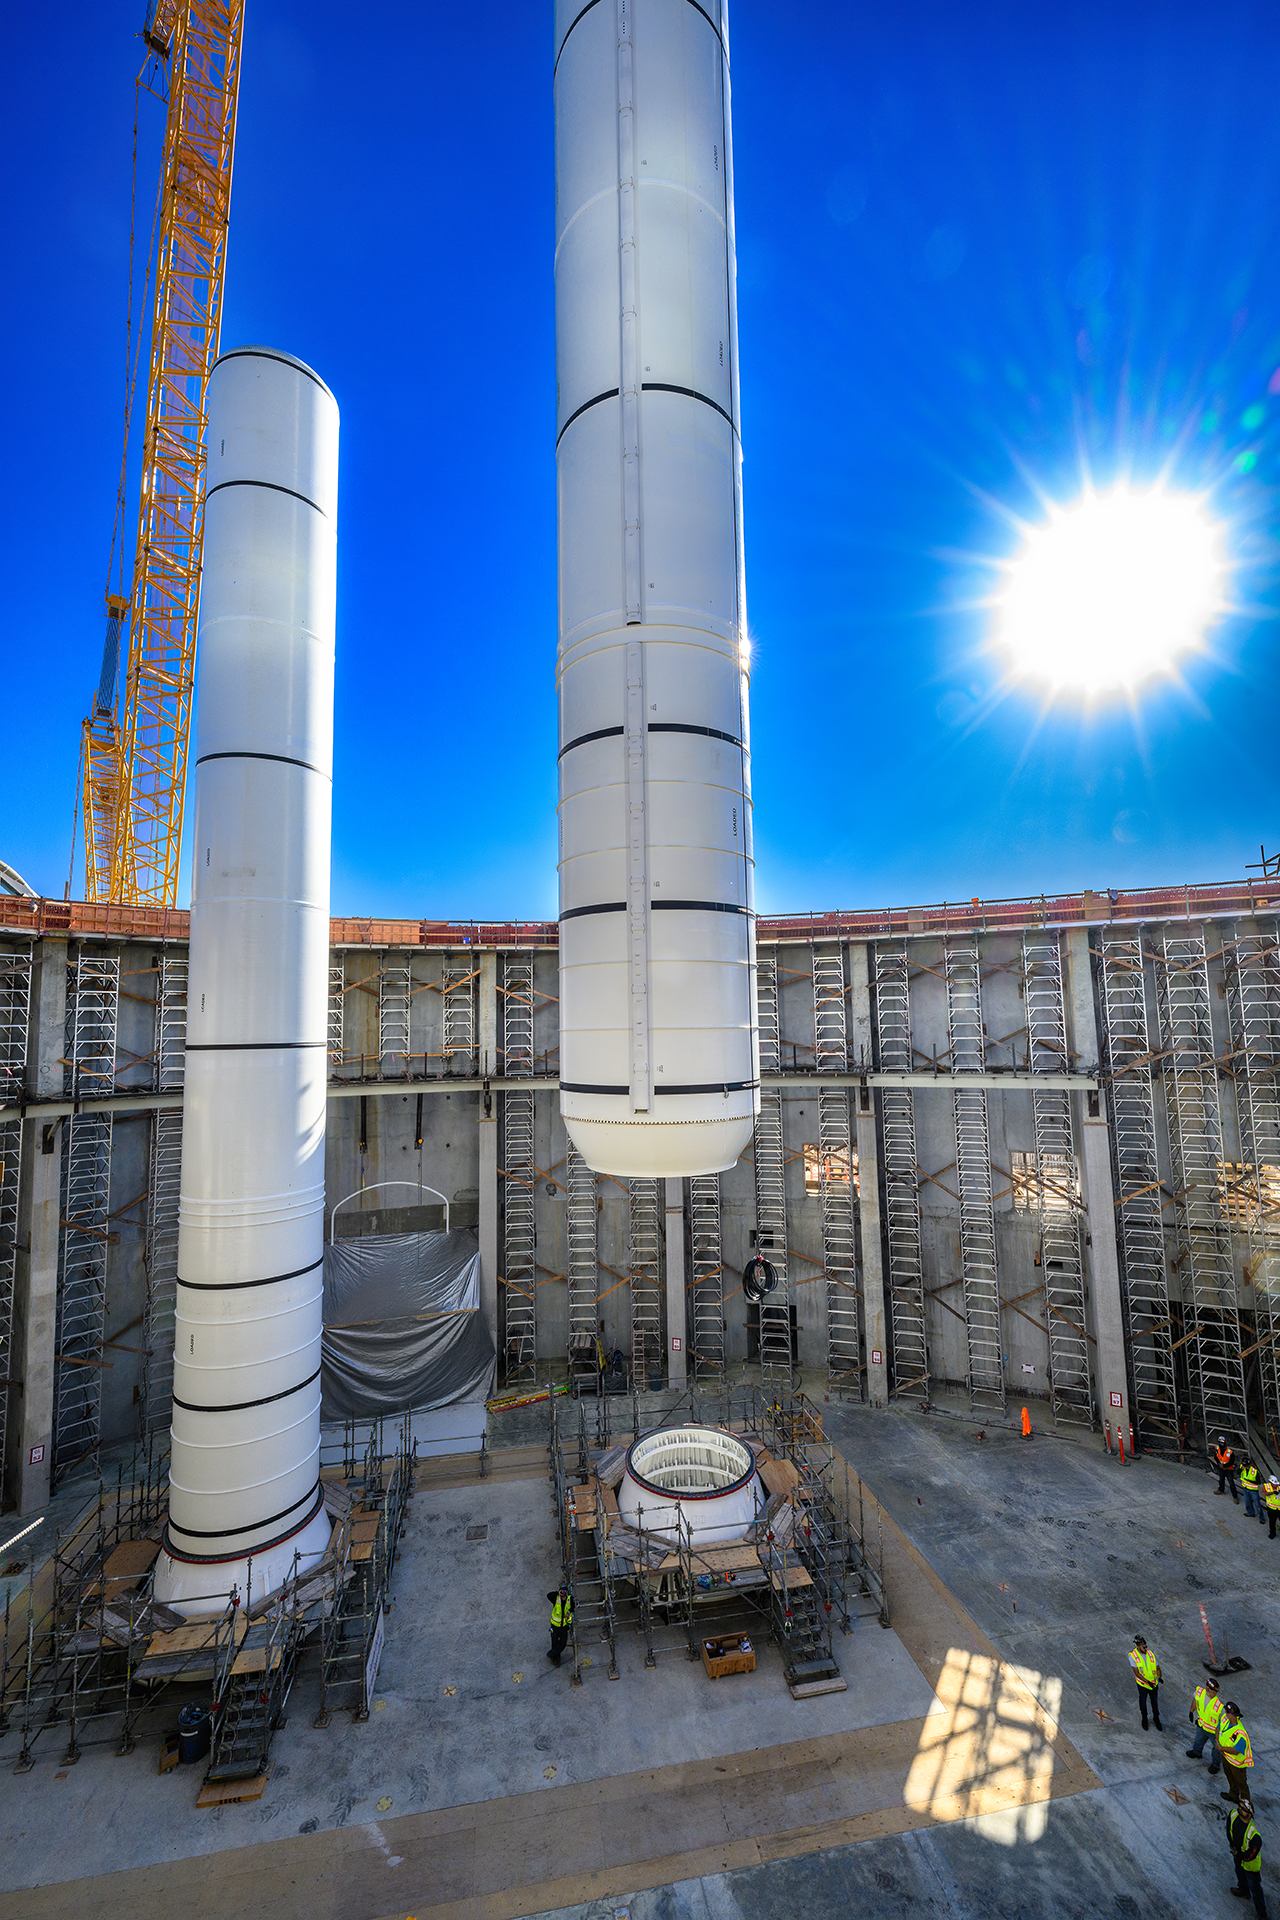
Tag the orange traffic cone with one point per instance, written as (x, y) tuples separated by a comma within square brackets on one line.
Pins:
[(1026, 1424)]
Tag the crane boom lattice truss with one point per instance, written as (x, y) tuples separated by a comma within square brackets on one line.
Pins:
[(134, 772)]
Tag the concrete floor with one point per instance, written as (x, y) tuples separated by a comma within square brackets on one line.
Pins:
[(725, 1800)]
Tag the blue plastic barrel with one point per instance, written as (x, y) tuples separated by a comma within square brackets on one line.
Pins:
[(194, 1726)]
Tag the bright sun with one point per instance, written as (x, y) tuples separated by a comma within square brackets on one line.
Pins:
[(1111, 590)]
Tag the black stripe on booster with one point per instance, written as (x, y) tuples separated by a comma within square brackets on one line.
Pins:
[(285, 759), (272, 487)]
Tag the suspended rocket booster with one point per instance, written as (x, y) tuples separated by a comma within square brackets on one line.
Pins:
[(659, 1068), (245, 1474)]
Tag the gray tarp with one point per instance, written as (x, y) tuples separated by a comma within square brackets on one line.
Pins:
[(402, 1325)]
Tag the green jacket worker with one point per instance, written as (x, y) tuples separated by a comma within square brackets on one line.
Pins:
[(561, 1622), (1146, 1672), (1246, 1853)]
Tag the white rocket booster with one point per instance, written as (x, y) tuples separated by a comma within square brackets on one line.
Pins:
[(659, 1071), (246, 1386)]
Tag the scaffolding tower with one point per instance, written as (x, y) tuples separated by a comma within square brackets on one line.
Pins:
[(518, 1222), (337, 1009), (835, 1163), (93, 1006), (155, 1404), (15, 1013), (1253, 998), (394, 989), (901, 1173), (1140, 1196), (1057, 1180), (584, 1274), (771, 1187), (708, 1278), (1195, 1158), (967, 1038), (458, 987), (644, 1274)]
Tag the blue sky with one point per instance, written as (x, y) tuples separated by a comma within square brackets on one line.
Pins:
[(979, 254)]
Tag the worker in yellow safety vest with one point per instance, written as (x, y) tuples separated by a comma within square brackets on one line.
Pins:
[(561, 1621), (1237, 1754), (1206, 1711), (1146, 1671), (1245, 1843), (1271, 1500), (1249, 1488)]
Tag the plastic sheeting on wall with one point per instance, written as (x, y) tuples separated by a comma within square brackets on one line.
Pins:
[(402, 1325)]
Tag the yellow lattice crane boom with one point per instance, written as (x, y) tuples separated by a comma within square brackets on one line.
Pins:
[(134, 743)]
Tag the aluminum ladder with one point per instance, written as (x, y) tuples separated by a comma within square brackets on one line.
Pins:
[(155, 1405), (973, 1167), (394, 989), (1195, 1159), (1253, 1000), (519, 1171), (1140, 1193), (584, 1275), (15, 1012), (93, 1008), (708, 1278), (458, 990), (644, 1274), (908, 1330), (771, 1188), (1057, 1181), (835, 1162)]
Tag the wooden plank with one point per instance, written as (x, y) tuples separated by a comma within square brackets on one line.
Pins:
[(779, 1476), (793, 1579), (730, 1559), (254, 1660), (227, 1793), (362, 1550), (198, 1637)]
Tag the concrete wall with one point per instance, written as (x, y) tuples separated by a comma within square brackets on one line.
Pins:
[(388, 1137)]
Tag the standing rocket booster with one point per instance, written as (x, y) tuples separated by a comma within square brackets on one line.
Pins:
[(245, 1475), (659, 1071)]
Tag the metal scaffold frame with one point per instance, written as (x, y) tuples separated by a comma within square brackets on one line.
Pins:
[(161, 1249), (644, 1275), (1195, 1157), (458, 995), (968, 1045), (15, 1015), (708, 1278), (395, 988), (1140, 1196), (901, 1173), (1057, 1181), (771, 1186), (519, 1173), (1253, 999), (584, 1274), (807, 1565), (93, 1005), (337, 1010), (835, 1162)]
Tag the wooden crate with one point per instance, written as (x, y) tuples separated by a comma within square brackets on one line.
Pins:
[(735, 1659)]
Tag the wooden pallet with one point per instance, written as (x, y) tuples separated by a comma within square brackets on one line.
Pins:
[(229, 1793)]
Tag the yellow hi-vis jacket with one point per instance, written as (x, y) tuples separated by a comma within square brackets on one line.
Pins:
[(1271, 1492), (1233, 1742), (1248, 1478), (1146, 1668), (1245, 1842), (1208, 1709), (562, 1611)]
